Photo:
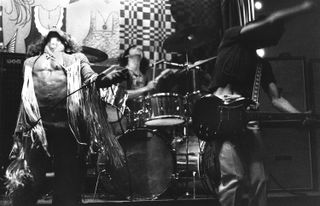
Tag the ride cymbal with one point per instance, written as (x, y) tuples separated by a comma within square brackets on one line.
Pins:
[(94, 55)]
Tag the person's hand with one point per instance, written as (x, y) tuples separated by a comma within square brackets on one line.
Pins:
[(308, 4), (152, 85), (229, 98), (165, 73), (116, 76)]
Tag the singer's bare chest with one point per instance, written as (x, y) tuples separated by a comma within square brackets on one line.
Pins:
[(50, 82)]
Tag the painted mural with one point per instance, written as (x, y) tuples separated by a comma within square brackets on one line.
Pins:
[(93, 23), (107, 25), (25, 21)]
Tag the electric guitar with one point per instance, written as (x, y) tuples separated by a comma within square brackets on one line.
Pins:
[(212, 117)]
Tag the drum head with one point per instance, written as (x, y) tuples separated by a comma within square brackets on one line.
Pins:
[(165, 120), (149, 165)]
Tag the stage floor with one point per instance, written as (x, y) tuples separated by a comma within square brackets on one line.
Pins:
[(100, 201)]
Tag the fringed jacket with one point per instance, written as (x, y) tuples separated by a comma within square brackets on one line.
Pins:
[(84, 104)]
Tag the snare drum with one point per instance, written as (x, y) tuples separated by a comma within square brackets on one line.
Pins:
[(164, 109), (148, 169)]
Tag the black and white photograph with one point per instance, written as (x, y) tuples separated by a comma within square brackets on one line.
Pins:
[(159, 102)]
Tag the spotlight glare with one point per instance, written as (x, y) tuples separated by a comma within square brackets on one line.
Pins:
[(258, 5), (261, 52)]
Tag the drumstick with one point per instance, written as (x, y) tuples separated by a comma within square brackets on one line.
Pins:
[(163, 73), (154, 66), (109, 69)]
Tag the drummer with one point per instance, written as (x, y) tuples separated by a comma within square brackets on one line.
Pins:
[(140, 82)]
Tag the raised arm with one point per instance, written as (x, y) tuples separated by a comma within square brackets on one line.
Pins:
[(271, 27), (133, 93)]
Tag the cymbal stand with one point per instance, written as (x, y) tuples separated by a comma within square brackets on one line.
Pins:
[(186, 132)]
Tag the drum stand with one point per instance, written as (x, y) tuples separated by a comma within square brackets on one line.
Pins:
[(186, 135), (187, 194)]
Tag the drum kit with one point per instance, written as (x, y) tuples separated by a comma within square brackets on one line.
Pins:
[(162, 153), (159, 146)]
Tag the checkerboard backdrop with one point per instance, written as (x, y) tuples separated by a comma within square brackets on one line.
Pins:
[(147, 23)]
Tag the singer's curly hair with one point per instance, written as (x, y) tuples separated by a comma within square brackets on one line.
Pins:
[(71, 46), (123, 60)]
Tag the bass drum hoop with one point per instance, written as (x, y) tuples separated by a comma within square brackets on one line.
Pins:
[(175, 120)]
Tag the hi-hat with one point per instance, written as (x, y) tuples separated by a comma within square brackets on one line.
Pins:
[(94, 55)]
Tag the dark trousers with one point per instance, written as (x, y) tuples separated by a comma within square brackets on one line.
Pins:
[(68, 166)]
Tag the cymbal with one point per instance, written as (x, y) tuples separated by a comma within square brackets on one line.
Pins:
[(188, 39), (198, 63), (94, 55)]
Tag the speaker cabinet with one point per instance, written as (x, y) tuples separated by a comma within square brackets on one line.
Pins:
[(315, 102), (288, 148), (288, 158), (11, 65), (290, 75), (315, 69)]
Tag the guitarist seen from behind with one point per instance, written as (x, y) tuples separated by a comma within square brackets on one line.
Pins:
[(239, 156)]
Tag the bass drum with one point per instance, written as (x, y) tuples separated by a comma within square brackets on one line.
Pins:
[(148, 169)]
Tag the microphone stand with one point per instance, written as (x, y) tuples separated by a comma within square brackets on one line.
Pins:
[(188, 118)]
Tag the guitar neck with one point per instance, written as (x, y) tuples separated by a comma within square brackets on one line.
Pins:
[(267, 118), (256, 86)]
